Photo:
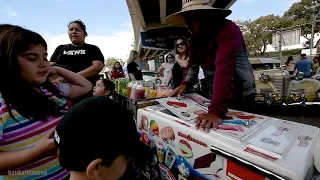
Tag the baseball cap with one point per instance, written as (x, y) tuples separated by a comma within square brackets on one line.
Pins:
[(98, 127)]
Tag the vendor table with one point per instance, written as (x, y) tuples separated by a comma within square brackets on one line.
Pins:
[(268, 149)]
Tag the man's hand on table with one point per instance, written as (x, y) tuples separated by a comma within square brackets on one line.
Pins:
[(206, 121), (178, 91)]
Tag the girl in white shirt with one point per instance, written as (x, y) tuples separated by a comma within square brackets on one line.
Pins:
[(166, 69)]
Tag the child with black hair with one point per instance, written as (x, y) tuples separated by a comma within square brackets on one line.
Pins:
[(92, 147), (103, 87)]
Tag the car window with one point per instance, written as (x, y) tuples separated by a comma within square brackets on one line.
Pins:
[(153, 74), (264, 66)]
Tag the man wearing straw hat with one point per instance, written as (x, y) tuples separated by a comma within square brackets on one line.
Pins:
[(217, 45)]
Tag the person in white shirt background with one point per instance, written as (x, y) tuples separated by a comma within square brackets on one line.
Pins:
[(166, 69)]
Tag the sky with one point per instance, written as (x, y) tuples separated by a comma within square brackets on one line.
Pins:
[(108, 22)]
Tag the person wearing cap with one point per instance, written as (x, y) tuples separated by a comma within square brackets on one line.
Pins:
[(91, 145), (218, 47)]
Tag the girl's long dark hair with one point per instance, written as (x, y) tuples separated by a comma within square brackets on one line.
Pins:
[(18, 93), (114, 69), (290, 58)]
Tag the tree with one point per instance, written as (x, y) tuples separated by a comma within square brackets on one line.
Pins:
[(258, 33), (301, 14), (110, 61)]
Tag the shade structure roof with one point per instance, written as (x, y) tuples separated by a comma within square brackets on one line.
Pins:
[(153, 37)]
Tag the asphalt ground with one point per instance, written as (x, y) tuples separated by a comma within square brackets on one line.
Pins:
[(306, 115)]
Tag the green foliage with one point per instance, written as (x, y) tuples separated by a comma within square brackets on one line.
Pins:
[(110, 61), (302, 14), (258, 33)]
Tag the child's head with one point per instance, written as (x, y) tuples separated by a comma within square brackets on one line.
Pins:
[(94, 146), (103, 87), (170, 58), (23, 67), (23, 56)]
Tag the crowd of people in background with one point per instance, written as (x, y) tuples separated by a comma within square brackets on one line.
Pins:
[(307, 66)]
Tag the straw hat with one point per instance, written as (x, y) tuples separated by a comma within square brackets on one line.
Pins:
[(192, 5)]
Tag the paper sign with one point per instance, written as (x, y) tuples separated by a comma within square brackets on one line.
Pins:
[(277, 137), (185, 109), (236, 125)]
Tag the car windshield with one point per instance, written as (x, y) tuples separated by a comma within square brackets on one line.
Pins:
[(264, 66), (146, 73)]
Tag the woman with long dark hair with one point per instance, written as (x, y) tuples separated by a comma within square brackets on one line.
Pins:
[(117, 71), (31, 105), (179, 68), (290, 63)]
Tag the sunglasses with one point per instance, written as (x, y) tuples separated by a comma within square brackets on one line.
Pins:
[(181, 44)]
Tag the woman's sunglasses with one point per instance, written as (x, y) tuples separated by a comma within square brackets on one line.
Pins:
[(181, 44)]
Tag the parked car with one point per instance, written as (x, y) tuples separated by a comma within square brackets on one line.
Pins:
[(275, 86), (151, 76)]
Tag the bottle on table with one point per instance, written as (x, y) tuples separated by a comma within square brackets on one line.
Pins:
[(129, 88), (133, 90), (139, 91)]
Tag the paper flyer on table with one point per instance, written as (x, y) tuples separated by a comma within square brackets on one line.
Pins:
[(277, 137), (186, 109), (237, 124)]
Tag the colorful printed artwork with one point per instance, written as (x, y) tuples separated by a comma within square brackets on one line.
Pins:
[(154, 129), (170, 157), (199, 99), (179, 153), (167, 134), (173, 152), (236, 125), (183, 166), (185, 149), (239, 125), (185, 108), (176, 104), (166, 173), (144, 138), (144, 123), (160, 151)]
